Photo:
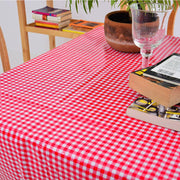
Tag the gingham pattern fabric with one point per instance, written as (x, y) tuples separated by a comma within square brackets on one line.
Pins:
[(62, 116)]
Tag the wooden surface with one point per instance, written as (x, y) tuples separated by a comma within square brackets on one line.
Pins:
[(24, 33), (53, 32), (171, 22), (4, 53), (52, 43)]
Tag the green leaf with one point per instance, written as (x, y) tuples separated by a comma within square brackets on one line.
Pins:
[(76, 5), (84, 6), (90, 4), (176, 3), (70, 3), (112, 2), (97, 3), (120, 3)]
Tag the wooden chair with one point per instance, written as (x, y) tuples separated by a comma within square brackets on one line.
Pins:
[(171, 21), (4, 53)]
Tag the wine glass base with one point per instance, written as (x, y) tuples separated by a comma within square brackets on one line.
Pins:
[(146, 54), (145, 62)]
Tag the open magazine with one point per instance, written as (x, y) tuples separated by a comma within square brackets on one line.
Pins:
[(167, 70), (147, 110)]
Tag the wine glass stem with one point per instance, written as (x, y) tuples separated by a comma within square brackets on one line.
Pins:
[(146, 53)]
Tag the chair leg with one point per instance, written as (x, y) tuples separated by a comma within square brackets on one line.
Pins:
[(24, 34), (4, 53)]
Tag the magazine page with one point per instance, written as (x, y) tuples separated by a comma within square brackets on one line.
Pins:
[(170, 67), (166, 70), (148, 106)]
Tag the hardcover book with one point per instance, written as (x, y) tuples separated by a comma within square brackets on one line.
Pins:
[(52, 25), (50, 11), (162, 92), (147, 110), (51, 18), (167, 70)]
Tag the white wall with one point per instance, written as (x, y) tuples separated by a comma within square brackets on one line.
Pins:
[(39, 43)]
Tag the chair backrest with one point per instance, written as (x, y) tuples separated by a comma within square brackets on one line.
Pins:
[(171, 21), (4, 53)]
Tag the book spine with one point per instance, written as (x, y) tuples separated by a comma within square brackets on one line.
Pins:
[(38, 16), (43, 13), (68, 30), (51, 18), (60, 18), (52, 25), (46, 22), (47, 25)]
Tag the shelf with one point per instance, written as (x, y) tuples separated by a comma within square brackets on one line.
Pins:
[(25, 28), (53, 32)]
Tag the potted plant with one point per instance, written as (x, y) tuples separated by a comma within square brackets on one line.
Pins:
[(117, 24)]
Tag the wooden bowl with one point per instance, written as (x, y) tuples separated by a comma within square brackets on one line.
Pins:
[(118, 31)]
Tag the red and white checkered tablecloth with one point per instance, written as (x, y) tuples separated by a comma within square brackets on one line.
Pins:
[(62, 116)]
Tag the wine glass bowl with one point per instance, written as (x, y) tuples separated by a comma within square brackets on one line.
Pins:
[(149, 25)]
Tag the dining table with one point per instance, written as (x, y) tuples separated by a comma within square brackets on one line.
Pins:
[(63, 116)]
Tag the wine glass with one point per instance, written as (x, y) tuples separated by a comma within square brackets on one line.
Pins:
[(149, 25)]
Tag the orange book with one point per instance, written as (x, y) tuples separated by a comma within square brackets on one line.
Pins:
[(86, 24)]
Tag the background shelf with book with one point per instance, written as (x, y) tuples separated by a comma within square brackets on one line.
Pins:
[(159, 101), (49, 17), (56, 18), (51, 32), (85, 25), (81, 26)]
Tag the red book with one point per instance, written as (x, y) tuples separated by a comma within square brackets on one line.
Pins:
[(52, 25)]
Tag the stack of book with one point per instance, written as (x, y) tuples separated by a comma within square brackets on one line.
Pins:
[(52, 17), (159, 88)]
